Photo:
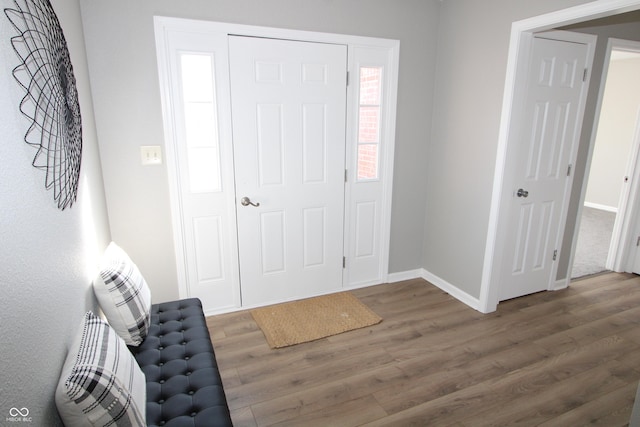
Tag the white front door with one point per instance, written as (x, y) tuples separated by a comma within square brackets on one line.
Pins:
[(289, 118), (547, 144)]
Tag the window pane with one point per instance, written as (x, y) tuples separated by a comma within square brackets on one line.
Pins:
[(202, 177), (369, 124), (368, 161), (370, 84), (197, 77), (200, 122)]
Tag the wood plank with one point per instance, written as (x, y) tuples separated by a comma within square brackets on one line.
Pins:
[(610, 409), (325, 397), (349, 413), (570, 357), (531, 409)]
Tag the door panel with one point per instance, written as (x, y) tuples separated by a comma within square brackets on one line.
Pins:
[(269, 144), (550, 131), (208, 239), (314, 143), (288, 107)]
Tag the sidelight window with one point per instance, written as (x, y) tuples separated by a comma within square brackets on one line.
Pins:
[(200, 122), (369, 120)]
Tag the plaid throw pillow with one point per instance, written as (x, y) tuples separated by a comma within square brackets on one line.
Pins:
[(123, 295), (101, 383)]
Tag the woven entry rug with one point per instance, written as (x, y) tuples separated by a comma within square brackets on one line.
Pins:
[(310, 319)]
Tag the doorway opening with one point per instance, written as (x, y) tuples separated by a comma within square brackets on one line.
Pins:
[(613, 162)]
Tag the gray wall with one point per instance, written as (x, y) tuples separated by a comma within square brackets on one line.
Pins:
[(48, 256), (122, 62)]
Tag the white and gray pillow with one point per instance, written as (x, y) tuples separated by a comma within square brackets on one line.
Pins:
[(124, 295), (101, 384)]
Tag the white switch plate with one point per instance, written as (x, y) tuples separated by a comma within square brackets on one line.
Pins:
[(151, 155)]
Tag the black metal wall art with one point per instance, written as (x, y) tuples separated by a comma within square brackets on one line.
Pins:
[(51, 100)]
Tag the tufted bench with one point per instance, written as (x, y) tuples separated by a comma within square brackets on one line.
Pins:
[(183, 383)]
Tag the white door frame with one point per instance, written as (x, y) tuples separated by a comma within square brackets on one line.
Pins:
[(388, 52), (520, 41)]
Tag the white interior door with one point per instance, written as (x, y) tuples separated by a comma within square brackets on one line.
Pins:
[(550, 126), (289, 115)]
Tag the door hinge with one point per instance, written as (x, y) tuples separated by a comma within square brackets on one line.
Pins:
[(346, 175), (569, 170), (584, 74), (344, 262), (555, 254), (348, 78), (638, 241)]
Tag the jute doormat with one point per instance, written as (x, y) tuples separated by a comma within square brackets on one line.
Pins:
[(311, 319)]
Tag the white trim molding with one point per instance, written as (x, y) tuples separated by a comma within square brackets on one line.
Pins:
[(405, 275), (561, 284), (438, 282), (600, 207), (452, 290)]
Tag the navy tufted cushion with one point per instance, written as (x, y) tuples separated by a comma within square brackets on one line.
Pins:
[(183, 383)]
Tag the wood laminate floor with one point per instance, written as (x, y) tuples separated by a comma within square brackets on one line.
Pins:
[(564, 358)]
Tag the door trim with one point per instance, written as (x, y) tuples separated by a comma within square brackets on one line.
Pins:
[(521, 34), (165, 27)]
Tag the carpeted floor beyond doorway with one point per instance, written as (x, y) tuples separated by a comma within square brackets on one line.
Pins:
[(594, 239)]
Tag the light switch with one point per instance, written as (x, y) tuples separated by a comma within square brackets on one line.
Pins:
[(151, 155)]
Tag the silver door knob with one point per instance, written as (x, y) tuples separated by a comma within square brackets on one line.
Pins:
[(522, 193), (245, 201)]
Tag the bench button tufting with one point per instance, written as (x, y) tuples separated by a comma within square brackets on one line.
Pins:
[(160, 402), (191, 392), (161, 381), (188, 373), (193, 414), (187, 358)]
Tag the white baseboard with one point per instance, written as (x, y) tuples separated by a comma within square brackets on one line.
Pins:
[(404, 275), (613, 209), (447, 287), (561, 284)]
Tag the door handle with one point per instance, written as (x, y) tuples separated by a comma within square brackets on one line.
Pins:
[(245, 201), (522, 193)]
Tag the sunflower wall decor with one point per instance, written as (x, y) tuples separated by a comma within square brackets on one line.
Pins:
[(51, 99)]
